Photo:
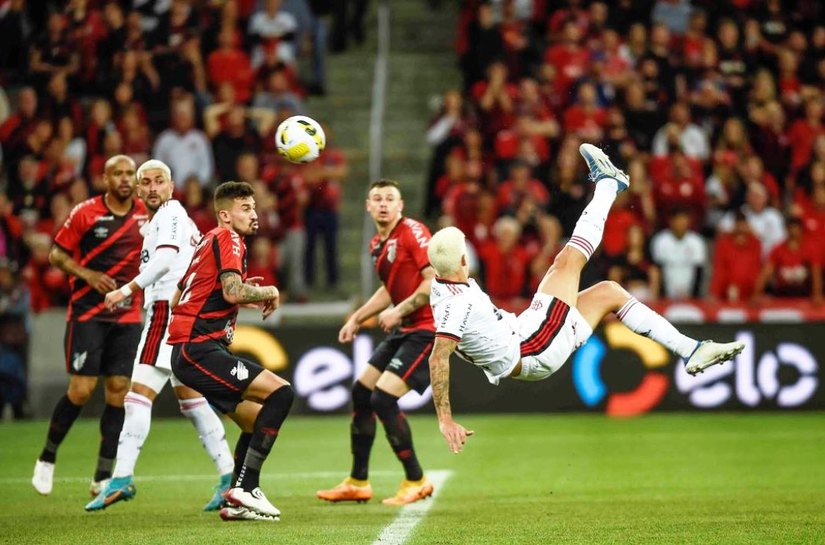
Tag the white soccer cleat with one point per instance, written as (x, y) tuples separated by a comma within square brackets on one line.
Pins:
[(96, 487), (43, 478), (602, 167), (254, 501), (242, 513), (709, 353)]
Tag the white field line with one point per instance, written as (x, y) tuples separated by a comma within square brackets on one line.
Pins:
[(212, 477), (397, 532)]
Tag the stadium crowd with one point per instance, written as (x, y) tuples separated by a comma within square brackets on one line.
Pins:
[(198, 84), (714, 108)]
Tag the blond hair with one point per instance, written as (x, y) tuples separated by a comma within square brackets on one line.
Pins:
[(445, 250), (155, 164)]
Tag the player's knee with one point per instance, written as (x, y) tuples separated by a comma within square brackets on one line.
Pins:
[(612, 293), (79, 394), (383, 404), (283, 396), (116, 389), (563, 260), (361, 396)]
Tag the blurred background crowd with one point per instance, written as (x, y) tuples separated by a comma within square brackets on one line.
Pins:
[(714, 108)]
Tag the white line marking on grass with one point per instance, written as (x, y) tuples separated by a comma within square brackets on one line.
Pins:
[(397, 532), (164, 478)]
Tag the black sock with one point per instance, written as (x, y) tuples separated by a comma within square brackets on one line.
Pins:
[(267, 425), (398, 432), (240, 453), (362, 431), (63, 416), (111, 422)]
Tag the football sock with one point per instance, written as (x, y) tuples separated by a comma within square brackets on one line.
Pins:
[(587, 235), (63, 416), (398, 432), (111, 423), (362, 431), (210, 430), (240, 453), (267, 425), (648, 323), (135, 430)]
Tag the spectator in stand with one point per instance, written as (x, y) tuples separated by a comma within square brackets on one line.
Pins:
[(643, 116), (634, 269), (485, 45), (324, 178), (586, 119), (74, 146), (58, 102), (674, 14), (681, 254), (550, 237), (678, 182), (734, 64), (736, 259), (273, 27), (725, 190), (46, 283), (185, 148), (496, 100), (196, 202), (14, 326), (53, 53), (570, 60), (680, 133), (277, 93), (290, 188), (767, 135), (229, 63), (793, 269), (803, 132), (520, 186), (504, 261), (766, 222), (16, 128), (235, 135), (263, 261)]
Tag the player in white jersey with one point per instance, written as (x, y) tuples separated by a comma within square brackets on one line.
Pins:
[(169, 242), (536, 343)]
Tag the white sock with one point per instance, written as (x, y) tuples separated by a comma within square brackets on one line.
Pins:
[(648, 323), (136, 425), (588, 232), (211, 432)]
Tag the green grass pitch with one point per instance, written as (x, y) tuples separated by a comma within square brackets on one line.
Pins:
[(537, 479)]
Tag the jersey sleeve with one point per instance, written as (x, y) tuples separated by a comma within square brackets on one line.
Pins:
[(69, 235), (171, 229), (417, 240), (228, 248), (451, 317)]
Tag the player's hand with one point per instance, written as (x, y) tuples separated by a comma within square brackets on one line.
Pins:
[(254, 280), (270, 305), (389, 319), (113, 299), (101, 282), (455, 434), (347, 333)]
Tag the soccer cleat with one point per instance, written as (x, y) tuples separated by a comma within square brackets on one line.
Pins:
[(602, 167), (96, 487), (254, 501), (709, 353), (220, 489), (242, 513), (117, 489), (349, 490), (43, 478), (411, 491)]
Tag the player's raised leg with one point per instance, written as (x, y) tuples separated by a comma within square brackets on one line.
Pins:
[(562, 279), (605, 297)]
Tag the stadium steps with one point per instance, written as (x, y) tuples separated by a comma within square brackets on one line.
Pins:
[(422, 65)]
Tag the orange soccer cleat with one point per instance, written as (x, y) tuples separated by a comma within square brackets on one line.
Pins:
[(349, 490), (411, 491)]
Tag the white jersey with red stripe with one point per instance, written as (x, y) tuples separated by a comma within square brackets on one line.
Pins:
[(487, 336), (170, 227)]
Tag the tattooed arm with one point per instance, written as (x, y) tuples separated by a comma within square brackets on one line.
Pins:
[(236, 292), (453, 432), (392, 317)]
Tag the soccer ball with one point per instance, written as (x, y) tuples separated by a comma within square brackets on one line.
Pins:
[(300, 139)]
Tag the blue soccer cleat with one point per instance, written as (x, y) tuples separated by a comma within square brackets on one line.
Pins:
[(602, 167), (217, 500), (118, 488)]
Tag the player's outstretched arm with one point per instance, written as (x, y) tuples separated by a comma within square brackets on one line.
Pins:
[(158, 265), (236, 292), (455, 434), (392, 317), (379, 301), (99, 281)]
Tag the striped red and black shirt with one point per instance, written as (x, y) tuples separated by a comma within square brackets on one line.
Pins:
[(100, 240), (202, 313)]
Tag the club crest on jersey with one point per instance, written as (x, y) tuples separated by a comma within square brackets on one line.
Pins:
[(536, 304), (101, 232), (79, 360), (240, 371), (392, 248)]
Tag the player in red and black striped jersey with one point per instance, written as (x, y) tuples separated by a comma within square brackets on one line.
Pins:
[(203, 322), (99, 247), (399, 363)]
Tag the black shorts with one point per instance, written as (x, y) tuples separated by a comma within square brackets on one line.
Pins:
[(211, 369), (406, 355), (100, 348)]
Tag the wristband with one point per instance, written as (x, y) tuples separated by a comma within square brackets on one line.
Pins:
[(126, 290)]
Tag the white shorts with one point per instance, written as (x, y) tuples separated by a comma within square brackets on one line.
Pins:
[(153, 363), (550, 331)]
